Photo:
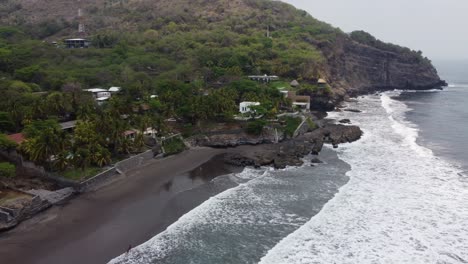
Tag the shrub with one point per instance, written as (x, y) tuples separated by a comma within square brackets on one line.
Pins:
[(6, 143), (256, 127), (312, 125), (291, 125), (7, 170), (173, 146)]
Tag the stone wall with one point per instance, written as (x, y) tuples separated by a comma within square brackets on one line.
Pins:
[(134, 162), (119, 168), (97, 180)]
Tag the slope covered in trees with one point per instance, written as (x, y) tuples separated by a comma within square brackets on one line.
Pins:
[(193, 54)]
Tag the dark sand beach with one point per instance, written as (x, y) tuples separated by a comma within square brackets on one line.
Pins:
[(98, 226)]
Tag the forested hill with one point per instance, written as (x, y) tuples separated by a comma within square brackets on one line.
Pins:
[(204, 42)]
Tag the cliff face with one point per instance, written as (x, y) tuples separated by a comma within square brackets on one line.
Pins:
[(360, 68)]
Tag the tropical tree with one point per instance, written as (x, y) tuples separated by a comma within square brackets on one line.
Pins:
[(44, 145)]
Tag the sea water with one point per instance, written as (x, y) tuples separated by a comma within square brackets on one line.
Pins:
[(398, 195)]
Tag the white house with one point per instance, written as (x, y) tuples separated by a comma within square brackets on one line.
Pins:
[(263, 78), (100, 94), (244, 107), (115, 89)]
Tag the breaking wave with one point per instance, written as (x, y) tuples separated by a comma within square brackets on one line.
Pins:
[(402, 204)]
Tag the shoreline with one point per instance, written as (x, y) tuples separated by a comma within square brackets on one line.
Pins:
[(98, 226), (133, 208)]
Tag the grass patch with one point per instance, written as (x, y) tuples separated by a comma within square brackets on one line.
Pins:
[(291, 124), (7, 170), (79, 174), (280, 84)]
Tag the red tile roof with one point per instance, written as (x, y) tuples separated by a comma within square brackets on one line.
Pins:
[(18, 138), (129, 132)]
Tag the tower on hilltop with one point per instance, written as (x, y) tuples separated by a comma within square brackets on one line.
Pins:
[(81, 26)]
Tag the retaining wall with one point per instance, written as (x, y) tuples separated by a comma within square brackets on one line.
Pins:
[(92, 183), (134, 162)]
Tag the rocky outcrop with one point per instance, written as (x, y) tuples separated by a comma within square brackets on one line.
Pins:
[(230, 139), (332, 134), (292, 152)]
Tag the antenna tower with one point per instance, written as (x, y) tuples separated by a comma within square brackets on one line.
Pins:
[(81, 26)]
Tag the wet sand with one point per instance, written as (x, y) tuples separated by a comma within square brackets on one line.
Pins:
[(98, 226)]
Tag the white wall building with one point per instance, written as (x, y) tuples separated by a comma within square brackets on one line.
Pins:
[(244, 107), (100, 94)]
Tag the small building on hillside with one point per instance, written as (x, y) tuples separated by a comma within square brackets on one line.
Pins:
[(68, 126), (130, 134), (100, 94), (263, 78), (294, 83), (300, 101), (245, 107), (77, 43), (321, 83)]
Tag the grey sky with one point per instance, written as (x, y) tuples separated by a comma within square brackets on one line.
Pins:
[(437, 27)]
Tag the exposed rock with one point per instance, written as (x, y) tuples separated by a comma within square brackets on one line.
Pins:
[(353, 110), (318, 145), (238, 160), (282, 163), (291, 152), (316, 161), (345, 121)]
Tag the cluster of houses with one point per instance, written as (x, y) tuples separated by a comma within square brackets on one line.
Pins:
[(69, 127), (301, 102)]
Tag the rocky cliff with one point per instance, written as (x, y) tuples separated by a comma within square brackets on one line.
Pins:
[(360, 68)]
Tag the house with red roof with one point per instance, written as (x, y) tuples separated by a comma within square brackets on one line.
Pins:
[(17, 138)]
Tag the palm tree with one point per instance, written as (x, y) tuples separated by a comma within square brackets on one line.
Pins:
[(48, 143), (101, 157), (81, 158), (62, 161)]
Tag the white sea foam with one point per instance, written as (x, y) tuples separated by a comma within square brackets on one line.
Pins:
[(248, 204), (402, 204)]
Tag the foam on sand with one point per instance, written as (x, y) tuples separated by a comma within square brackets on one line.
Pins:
[(402, 204)]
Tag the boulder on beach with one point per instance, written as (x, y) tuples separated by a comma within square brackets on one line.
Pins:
[(345, 121), (316, 161)]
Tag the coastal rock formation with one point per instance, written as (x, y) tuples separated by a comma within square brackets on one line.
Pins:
[(359, 64), (292, 152)]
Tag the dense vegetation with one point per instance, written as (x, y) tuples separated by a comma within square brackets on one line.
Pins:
[(7, 170), (180, 60)]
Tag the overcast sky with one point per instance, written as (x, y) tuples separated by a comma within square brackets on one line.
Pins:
[(437, 27)]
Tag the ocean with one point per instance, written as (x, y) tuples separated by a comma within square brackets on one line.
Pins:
[(398, 195)]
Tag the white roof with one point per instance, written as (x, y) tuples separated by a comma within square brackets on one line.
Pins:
[(102, 98), (300, 104), (76, 39), (250, 103), (154, 96), (96, 90), (114, 89)]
